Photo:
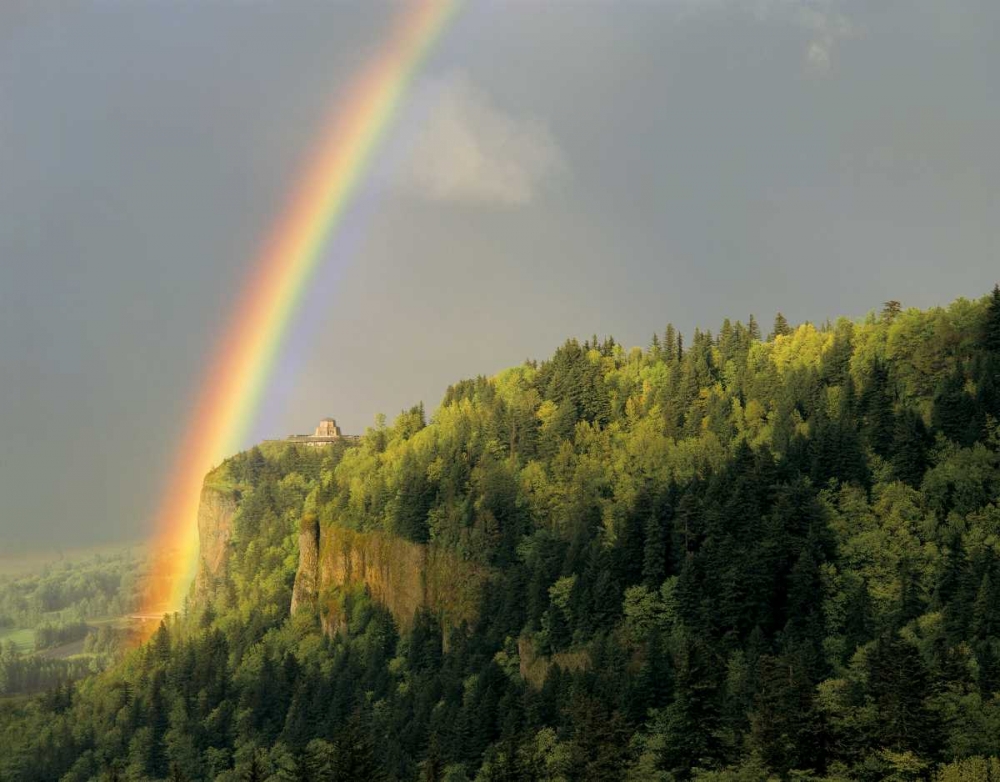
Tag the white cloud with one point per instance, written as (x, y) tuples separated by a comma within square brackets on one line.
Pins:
[(827, 27), (820, 19), (470, 150)]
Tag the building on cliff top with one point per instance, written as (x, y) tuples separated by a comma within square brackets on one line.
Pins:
[(326, 433)]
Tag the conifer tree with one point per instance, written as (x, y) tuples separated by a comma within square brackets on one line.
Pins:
[(877, 402), (987, 376), (954, 411), (726, 341), (355, 756), (990, 339), (898, 684), (255, 771), (986, 610), (654, 556), (669, 343), (783, 721), (890, 311), (690, 730), (909, 447), (780, 328), (654, 347)]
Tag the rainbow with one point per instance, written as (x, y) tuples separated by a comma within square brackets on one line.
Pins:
[(231, 393)]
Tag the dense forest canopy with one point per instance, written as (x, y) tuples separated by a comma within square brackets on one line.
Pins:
[(734, 557)]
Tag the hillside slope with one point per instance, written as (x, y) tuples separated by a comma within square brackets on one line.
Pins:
[(743, 557)]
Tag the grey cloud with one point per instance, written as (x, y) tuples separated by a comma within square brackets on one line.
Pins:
[(470, 150), (827, 28), (821, 19)]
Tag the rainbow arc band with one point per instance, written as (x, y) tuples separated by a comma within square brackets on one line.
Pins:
[(246, 355)]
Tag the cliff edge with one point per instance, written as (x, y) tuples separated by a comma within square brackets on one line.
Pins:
[(401, 575), (334, 561), (216, 512)]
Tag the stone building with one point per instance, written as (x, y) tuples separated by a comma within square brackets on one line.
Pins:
[(327, 428), (326, 433)]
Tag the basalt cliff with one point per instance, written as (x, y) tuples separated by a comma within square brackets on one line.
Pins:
[(402, 575), (335, 564)]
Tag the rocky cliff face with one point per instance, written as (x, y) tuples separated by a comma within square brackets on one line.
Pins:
[(215, 531), (402, 575), (306, 577), (335, 562)]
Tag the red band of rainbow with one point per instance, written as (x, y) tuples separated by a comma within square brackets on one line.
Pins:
[(246, 355)]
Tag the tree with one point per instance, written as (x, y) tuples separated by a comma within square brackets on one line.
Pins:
[(899, 684), (986, 610), (654, 557), (355, 753), (670, 343), (990, 339), (255, 771), (319, 761), (161, 644), (780, 328), (413, 501), (691, 721), (877, 402), (954, 411), (909, 447), (654, 346), (890, 310), (783, 724)]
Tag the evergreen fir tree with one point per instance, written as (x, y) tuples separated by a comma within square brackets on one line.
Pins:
[(654, 556), (909, 447), (780, 328), (990, 339), (693, 716), (898, 684), (880, 422), (669, 343), (355, 754), (986, 610), (890, 311), (954, 411), (256, 771)]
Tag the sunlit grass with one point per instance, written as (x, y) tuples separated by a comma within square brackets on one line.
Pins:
[(23, 638)]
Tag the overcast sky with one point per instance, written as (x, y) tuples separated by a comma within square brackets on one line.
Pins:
[(557, 169)]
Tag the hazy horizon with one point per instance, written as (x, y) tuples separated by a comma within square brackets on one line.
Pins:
[(555, 171)]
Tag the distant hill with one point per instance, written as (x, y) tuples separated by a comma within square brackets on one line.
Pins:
[(33, 561)]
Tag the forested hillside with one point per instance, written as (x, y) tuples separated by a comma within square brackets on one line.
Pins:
[(67, 620), (734, 557)]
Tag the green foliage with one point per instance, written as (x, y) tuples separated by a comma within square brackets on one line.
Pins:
[(105, 585), (729, 559), (49, 612)]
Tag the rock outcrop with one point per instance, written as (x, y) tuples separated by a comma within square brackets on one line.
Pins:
[(307, 576), (401, 575), (336, 562), (216, 512)]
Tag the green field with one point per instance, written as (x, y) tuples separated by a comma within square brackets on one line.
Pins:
[(23, 638)]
